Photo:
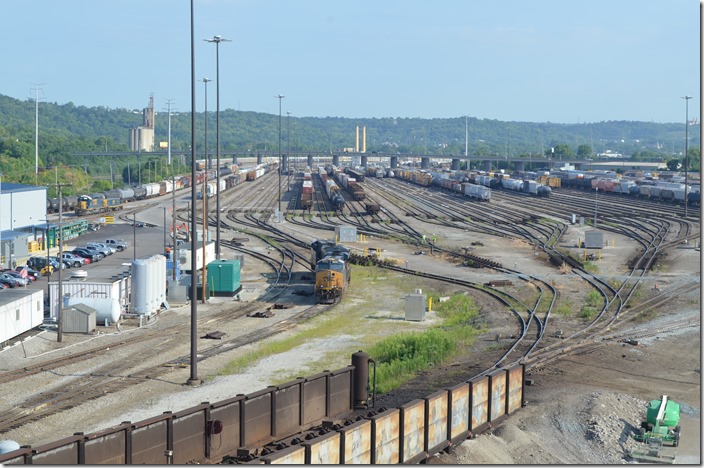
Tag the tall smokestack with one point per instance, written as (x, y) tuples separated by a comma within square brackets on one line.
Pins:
[(364, 139), (356, 139)]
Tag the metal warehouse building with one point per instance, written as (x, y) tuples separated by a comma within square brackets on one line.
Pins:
[(22, 207)]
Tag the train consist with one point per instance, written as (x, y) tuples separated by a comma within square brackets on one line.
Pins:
[(307, 190), (332, 270), (114, 200), (447, 180), (332, 189), (643, 187)]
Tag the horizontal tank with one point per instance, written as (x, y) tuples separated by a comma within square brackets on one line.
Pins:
[(106, 308)]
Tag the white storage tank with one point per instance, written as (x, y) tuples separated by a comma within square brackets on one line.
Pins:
[(106, 308), (140, 287)]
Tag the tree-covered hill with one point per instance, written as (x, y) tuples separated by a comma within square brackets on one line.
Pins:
[(67, 128)]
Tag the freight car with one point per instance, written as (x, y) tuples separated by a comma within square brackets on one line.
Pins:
[(92, 203), (333, 192), (307, 194), (358, 175), (451, 181), (332, 270)]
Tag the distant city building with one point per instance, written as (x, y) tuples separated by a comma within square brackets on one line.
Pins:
[(142, 138), (608, 154)]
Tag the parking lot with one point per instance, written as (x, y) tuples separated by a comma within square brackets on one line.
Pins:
[(150, 241)]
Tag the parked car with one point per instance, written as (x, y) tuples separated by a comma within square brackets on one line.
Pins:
[(93, 248), (75, 260), (64, 263), (23, 281), (100, 245), (91, 255), (102, 252), (119, 244), (9, 280), (30, 271), (5, 285)]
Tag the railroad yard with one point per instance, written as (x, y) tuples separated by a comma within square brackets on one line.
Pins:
[(591, 363)]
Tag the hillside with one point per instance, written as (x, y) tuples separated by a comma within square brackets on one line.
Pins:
[(67, 128)]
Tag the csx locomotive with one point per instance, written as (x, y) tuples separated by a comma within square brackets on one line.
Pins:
[(332, 270)]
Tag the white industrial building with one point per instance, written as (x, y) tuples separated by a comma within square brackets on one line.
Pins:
[(22, 208), (20, 310)]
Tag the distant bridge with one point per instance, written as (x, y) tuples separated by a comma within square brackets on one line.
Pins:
[(392, 160)]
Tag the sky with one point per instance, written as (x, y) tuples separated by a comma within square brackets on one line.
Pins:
[(559, 61)]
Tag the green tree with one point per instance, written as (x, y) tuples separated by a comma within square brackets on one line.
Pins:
[(584, 151), (674, 165)]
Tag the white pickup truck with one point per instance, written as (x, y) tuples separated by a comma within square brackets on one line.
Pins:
[(119, 244)]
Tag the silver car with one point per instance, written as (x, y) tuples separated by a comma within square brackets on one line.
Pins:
[(101, 245)]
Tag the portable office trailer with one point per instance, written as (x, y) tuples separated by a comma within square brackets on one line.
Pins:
[(20, 311)]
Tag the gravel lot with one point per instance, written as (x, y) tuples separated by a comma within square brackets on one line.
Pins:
[(580, 410)]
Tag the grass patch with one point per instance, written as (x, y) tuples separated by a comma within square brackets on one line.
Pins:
[(564, 309), (399, 358)]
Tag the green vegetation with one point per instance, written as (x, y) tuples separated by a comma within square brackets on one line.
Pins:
[(67, 128), (400, 357)]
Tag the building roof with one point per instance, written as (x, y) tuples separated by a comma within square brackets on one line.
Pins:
[(9, 187)]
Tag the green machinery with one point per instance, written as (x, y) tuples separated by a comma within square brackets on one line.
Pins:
[(662, 421)]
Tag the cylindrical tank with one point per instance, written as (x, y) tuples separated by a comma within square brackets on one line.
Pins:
[(161, 262), (360, 361), (140, 280), (7, 446), (107, 308)]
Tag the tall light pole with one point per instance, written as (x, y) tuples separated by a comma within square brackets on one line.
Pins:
[(288, 150), (686, 150), (205, 196), (279, 97), (193, 379), (466, 141), (217, 40)]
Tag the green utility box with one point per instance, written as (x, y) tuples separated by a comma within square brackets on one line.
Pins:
[(224, 277)]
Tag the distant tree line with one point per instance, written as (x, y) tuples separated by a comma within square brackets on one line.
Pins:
[(67, 128)]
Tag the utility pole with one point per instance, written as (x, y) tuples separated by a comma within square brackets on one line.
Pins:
[(217, 40), (279, 97), (193, 379), (288, 150), (36, 133), (60, 241), (205, 196), (686, 151)]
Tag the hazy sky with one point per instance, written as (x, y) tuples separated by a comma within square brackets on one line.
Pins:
[(514, 60)]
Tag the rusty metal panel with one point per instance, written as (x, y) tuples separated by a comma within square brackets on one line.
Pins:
[(480, 402), (228, 441), (357, 443), (149, 443), (288, 410), (16, 457), (386, 437), (497, 382), (436, 421), (515, 388), (189, 435), (106, 449), (314, 398), (295, 455), (324, 450), (412, 430), (61, 452), (459, 418), (257, 418), (340, 393)]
